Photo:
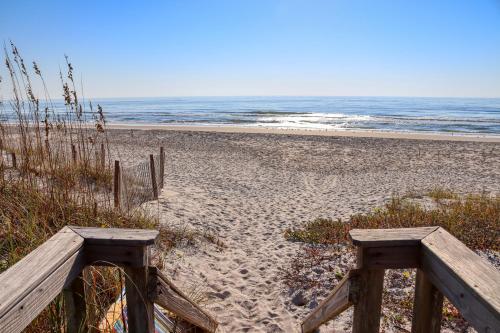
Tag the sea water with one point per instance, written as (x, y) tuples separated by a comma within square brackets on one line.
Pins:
[(406, 114)]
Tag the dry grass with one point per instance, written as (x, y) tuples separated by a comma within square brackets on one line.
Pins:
[(473, 219), (29, 217), (439, 194), (61, 178)]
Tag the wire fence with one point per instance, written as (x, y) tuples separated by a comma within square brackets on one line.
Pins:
[(137, 185)]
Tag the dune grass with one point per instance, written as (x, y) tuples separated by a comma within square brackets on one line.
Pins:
[(61, 178)]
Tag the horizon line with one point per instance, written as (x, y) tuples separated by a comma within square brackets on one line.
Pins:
[(288, 96)]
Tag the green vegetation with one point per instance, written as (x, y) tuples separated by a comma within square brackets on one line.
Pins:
[(473, 219)]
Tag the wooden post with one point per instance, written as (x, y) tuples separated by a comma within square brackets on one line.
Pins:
[(162, 167), (14, 161), (75, 307), (103, 156), (97, 163), (367, 310), (153, 176), (427, 307), (73, 153), (117, 185), (1, 162), (140, 310)]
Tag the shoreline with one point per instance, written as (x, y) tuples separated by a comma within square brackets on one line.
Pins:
[(313, 132)]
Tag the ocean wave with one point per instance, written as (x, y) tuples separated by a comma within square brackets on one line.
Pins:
[(373, 113), (443, 119), (315, 118)]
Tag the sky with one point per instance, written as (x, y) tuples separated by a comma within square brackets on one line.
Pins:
[(262, 47)]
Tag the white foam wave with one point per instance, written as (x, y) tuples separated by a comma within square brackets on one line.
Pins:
[(312, 120)]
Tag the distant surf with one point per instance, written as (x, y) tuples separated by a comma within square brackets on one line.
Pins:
[(400, 114)]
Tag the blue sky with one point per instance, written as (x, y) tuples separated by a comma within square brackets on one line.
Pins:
[(267, 47)]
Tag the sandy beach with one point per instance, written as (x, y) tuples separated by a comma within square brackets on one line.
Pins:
[(248, 186)]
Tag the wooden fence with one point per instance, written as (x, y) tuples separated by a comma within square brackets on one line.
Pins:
[(445, 267), (152, 185), (156, 171), (54, 267)]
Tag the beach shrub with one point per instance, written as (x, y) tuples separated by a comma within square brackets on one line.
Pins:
[(474, 219)]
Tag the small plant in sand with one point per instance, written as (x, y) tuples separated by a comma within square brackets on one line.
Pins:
[(439, 194)]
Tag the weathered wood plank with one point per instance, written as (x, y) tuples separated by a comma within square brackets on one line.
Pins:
[(36, 267), (172, 325), (31, 298), (467, 280), (339, 300), (427, 307), (109, 255), (74, 305), (154, 183), (117, 184), (168, 296), (73, 153), (116, 237), (368, 304), (140, 309), (178, 325), (14, 160), (367, 310), (103, 156), (391, 257), (389, 237), (162, 167)]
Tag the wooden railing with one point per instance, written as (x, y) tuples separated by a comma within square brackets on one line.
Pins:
[(445, 267), (54, 267)]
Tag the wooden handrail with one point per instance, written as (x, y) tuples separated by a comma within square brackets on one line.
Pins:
[(445, 266), (30, 285), (341, 298), (464, 278), (169, 297)]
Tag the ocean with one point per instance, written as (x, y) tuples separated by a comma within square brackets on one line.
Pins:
[(401, 114)]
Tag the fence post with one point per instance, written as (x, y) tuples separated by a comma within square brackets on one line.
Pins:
[(1, 162), (103, 156), (140, 310), (366, 318), (427, 307), (117, 185), (14, 161), (73, 153), (153, 176), (75, 307), (97, 163), (162, 167)]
